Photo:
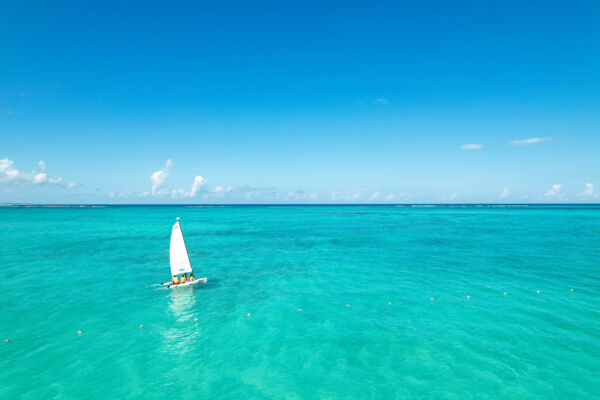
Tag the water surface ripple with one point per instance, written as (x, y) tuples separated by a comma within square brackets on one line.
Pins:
[(350, 302)]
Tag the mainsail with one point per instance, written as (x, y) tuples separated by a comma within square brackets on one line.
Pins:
[(180, 261)]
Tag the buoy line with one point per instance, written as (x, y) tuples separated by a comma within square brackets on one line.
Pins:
[(212, 316)]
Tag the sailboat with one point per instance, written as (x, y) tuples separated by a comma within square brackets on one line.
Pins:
[(179, 258)]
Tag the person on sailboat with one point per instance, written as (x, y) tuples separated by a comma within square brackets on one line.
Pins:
[(184, 278), (191, 278), (175, 280)]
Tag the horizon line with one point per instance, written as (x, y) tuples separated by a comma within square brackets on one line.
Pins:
[(296, 204)]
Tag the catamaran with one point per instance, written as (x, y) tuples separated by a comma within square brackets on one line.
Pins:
[(179, 258)]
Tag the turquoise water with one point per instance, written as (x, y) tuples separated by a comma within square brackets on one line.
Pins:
[(97, 269)]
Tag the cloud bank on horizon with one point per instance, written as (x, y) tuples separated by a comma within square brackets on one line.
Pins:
[(159, 191), (10, 175)]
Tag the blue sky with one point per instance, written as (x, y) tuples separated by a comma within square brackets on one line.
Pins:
[(294, 102)]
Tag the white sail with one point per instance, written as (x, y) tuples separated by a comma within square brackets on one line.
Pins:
[(180, 261)]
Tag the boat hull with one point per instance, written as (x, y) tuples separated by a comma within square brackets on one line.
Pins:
[(189, 283)]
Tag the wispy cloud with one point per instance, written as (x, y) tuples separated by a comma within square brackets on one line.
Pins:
[(471, 146), (200, 188), (404, 196), (354, 196), (555, 191), (528, 142), (301, 195), (199, 182), (589, 192), (382, 101), (451, 197), (375, 196), (159, 177), (121, 194), (222, 189), (197, 187), (364, 197), (9, 174), (505, 193)]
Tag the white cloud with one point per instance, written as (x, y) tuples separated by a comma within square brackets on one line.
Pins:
[(589, 192), (72, 185), (175, 193), (198, 183), (404, 196), (301, 195), (354, 196), (382, 101), (528, 142), (42, 177), (159, 177), (121, 194), (358, 196), (333, 196), (451, 197), (10, 174), (505, 193), (555, 191), (221, 189), (471, 146), (253, 192)]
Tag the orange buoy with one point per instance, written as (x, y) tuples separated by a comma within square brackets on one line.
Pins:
[(6, 340), (347, 305), (431, 298), (249, 314), (505, 293), (195, 319), (571, 290), (389, 303), (468, 297), (299, 309), (141, 326), (538, 291), (79, 332)]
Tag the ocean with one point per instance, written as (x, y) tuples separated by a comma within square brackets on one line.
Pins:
[(302, 302)]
